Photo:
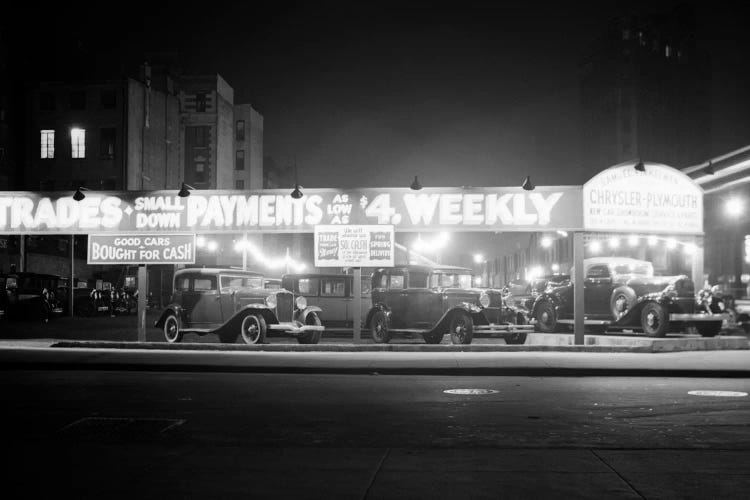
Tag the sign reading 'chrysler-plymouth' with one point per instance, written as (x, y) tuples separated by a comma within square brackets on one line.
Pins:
[(218, 211)]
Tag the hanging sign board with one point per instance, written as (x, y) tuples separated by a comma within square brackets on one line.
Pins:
[(659, 200), (165, 248), (226, 211), (354, 246)]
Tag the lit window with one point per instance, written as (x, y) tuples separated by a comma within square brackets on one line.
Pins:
[(239, 160), (48, 144), (78, 142), (240, 130)]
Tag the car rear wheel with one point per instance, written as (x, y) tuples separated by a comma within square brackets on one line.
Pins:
[(379, 328), (253, 329), (654, 320), (311, 337), (433, 337), (546, 318), (708, 328), (461, 328), (172, 332), (622, 301)]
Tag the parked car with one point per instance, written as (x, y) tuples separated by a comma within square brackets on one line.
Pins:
[(83, 303), (523, 293), (333, 293), (621, 292), (272, 283), (30, 296), (232, 304), (433, 301)]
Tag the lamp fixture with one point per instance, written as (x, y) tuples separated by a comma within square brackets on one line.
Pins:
[(709, 170), (184, 190), (640, 166), (78, 195), (415, 184), (297, 192), (527, 184)]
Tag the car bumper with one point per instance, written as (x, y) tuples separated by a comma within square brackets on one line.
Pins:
[(57, 310), (509, 328), (698, 317), (291, 328)]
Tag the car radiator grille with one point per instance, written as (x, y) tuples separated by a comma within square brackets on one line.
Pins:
[(284, 306)]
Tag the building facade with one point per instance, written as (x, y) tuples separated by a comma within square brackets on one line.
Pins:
[(645, 94)]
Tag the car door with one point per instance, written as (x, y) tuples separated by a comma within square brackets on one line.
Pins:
[(202, 302), (419, 301), (395, 297), (335, 300), (597, 289)]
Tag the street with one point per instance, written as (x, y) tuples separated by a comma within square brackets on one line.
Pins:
[(118, 434)]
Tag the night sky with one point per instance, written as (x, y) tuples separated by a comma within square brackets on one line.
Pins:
[(371, 94)]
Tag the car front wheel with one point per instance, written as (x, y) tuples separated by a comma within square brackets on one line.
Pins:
[(546, 318), (379, 328), (311, 337), (253, 329), (172, 332), (654, 320), (461, 328)]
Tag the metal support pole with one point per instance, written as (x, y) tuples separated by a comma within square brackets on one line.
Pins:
[(697, 264), (357, 305), (142, 301), (22, 254), (578, 312), (71, 288)]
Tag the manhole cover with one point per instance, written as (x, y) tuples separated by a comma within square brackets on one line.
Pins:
[(470, 391), (726, 394)]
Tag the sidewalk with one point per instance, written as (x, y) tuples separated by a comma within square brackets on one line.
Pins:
[(512, 360)]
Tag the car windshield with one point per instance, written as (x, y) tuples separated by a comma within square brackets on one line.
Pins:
[(640, 268), (451, 280)]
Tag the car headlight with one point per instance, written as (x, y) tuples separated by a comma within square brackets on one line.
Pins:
[(720, 304), (484, 300), (271, 301), (301, 302)]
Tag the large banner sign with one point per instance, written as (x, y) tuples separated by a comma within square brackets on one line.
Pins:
[(354, 246), (658, 200), (222, 211)]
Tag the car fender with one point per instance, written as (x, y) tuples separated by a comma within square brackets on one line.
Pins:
[(473, 310), (375, 308), (302, 315), (175, 309), (235, 321)]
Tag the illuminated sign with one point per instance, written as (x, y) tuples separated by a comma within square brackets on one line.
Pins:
[(222, 211), (354, 246), (141, 249), (660, 199), (747, 249)]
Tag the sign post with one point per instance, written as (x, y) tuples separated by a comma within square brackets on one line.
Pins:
[(578, 275), (357, 305), (142, 302)]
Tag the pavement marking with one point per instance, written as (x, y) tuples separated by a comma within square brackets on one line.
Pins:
[(730, 394), (470, 391)]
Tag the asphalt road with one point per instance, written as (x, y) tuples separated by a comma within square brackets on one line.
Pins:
[(111, 434)]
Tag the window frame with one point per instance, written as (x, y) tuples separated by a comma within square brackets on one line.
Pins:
[(47, 151), (78, 148)]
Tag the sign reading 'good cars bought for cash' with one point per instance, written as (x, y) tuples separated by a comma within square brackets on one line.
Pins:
[(141, 249), (354, 246)]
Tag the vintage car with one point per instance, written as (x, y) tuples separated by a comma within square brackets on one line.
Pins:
[(435, 300), (27, 295), (333, 293), (523, 293), (231, 304), (623, 293)]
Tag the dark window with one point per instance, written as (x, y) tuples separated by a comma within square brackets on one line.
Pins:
[(239, 184), (200, 172), (308, 286), (598, 272), (240, 130), (332, 287), (397, 282), (417, 280), (108, 98), (201, 136), (107, 143), (200, 103), (77, 100), (239, 159), (46, 101), (182, 284), (204, 284)]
